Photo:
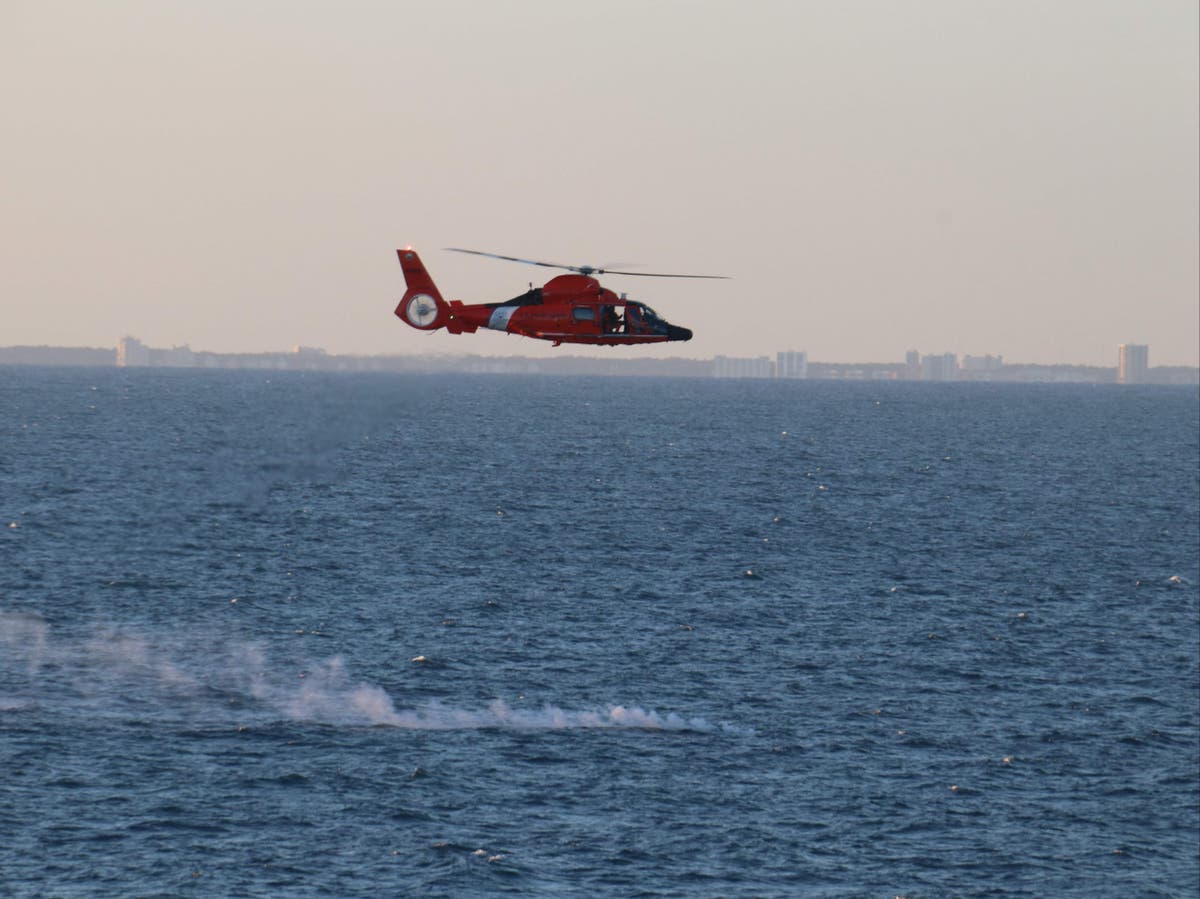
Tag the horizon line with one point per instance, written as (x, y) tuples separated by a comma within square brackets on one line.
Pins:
[(299, 350)]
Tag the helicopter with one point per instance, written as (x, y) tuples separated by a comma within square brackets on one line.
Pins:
[(570, 308)]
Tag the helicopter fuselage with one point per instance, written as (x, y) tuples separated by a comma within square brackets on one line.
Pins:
[(571, 308)]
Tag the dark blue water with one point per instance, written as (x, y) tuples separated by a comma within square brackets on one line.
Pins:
[(267, 634)]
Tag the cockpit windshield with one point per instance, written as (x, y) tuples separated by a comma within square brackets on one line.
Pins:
[(643, 311), (643, 320)]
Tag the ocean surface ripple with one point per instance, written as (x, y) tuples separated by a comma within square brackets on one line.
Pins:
[(268, 633)]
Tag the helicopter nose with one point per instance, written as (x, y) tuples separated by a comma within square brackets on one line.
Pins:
[(674, 332)]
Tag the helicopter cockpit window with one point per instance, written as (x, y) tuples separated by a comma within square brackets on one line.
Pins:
[(583, 314), (642, 319)]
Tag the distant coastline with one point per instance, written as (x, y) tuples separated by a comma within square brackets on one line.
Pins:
[(310, 359)]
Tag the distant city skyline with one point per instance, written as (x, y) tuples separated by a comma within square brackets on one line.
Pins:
[(1137, 354), (1131, 368), (984, 178)]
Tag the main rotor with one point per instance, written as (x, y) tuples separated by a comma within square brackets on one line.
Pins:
[(581, 269)]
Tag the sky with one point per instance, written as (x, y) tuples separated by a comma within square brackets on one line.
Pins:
[(1014, 177)]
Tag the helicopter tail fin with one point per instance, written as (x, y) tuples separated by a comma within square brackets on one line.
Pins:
[(422, 305)]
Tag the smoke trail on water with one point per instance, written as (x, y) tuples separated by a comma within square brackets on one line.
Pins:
[(186, 679), (328, 696), (23, 637)]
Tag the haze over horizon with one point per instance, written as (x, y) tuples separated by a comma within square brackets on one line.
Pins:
[(1017, 179)]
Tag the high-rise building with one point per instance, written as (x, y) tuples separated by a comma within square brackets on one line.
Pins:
[(131, 351), (791, 364), (942, 367), (912, 365), (1133, 363)]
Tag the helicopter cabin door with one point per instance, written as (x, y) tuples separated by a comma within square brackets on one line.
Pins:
[(610, 319)]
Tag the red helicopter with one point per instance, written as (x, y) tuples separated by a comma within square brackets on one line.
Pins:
[(567, 309)]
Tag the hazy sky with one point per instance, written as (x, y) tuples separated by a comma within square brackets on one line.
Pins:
[(1010, 177)]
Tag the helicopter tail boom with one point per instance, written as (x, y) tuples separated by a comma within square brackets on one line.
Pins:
[(422, 305)]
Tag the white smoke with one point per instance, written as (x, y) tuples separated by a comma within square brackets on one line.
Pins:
[(23, 637), (244, 681)]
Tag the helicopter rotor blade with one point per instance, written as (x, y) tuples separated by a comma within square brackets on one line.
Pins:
[(583, 269), (569, 268), (609, 271)]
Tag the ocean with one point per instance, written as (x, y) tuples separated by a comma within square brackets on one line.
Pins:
[(315, 634)]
